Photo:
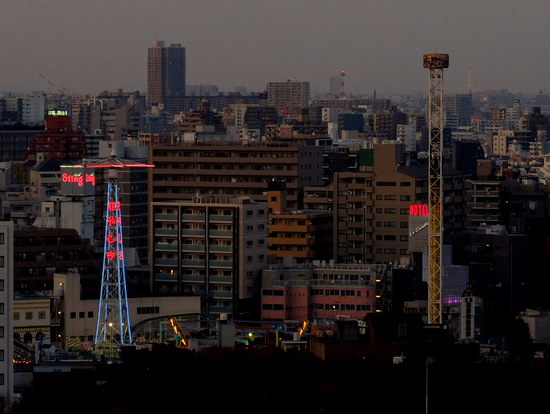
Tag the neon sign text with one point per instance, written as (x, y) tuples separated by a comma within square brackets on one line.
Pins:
[(419, 210), (78, 178), (57, 113)]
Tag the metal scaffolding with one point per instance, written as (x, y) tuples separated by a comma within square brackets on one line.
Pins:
[(435, 62)]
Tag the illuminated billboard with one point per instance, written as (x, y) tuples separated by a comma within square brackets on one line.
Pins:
[(418, 227), (77, 180)]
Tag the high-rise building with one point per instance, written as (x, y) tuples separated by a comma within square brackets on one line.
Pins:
[(166, 76), (288, 96)]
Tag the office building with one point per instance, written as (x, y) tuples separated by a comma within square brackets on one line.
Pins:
[(166, 76)]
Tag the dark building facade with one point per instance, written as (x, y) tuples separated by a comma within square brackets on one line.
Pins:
[(166, 76), (58, 141), (39, 253)]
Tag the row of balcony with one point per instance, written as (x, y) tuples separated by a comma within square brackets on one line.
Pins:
[(212, 218), (173, 247), (219, 280), (191, 232), (223, 264)]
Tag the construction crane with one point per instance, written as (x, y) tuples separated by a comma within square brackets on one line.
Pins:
[(61, 91), (435, 62)]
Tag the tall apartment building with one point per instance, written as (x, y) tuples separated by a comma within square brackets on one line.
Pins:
[(288, 96), (458, 110), (6, 310), (212, 247), (372, 206), (233, 169), (166, 76)]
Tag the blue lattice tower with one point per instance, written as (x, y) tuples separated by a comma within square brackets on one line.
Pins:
[(113, 318)]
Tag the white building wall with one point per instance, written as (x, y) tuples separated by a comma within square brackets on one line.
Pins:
[(81, 315), (33, 108)]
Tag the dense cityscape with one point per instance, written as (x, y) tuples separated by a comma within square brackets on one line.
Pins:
[(279, 243)]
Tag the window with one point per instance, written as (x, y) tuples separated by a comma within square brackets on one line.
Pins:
[(1, 308), (41, 315), (81, 315), (73, 315), (28, 316), (90, 314), (1, 284), (273, 292), (1, 261), (15, 316), (1, 331), (1, 238), (405, 198)]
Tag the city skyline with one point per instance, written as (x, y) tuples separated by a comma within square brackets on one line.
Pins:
[(85, 48)]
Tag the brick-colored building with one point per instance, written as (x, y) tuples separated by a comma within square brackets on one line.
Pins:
[(322, 291)]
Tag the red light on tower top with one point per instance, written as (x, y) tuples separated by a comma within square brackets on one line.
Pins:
[(342, 90)]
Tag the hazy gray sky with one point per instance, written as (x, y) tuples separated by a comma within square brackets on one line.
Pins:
[(89, 46)]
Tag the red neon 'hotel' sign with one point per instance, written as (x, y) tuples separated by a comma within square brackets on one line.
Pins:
[(419, 210)]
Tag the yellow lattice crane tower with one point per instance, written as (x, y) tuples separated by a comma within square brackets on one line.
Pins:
[(435, 62)]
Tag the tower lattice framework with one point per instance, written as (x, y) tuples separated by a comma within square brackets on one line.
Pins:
[(435, 62), (113, 318)]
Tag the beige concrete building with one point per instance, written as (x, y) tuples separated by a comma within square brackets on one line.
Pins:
[(288, 96), (372, 207), (210, 247), (233, 169)]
